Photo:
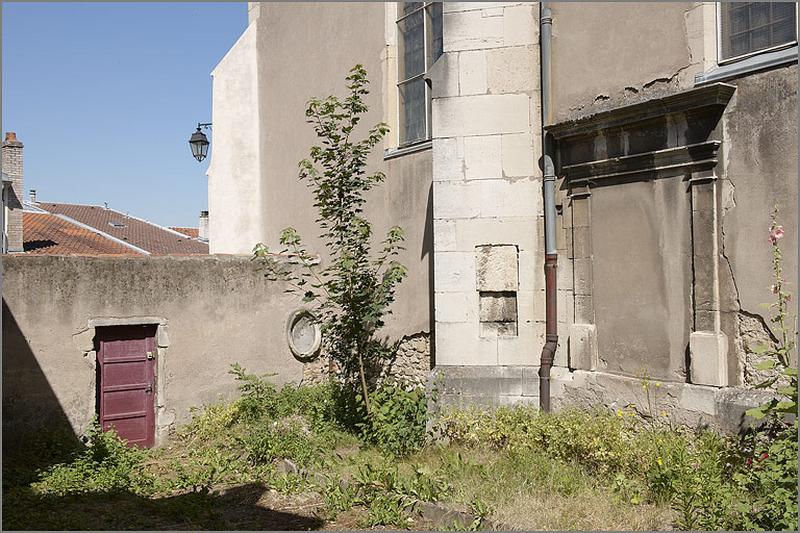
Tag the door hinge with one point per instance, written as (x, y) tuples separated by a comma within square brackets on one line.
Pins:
[(151, 355), (149, 388)]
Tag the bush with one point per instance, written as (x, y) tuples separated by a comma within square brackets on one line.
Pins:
[(265, 444), (107, 464), (713, 482), (397, 421), (769, 477)]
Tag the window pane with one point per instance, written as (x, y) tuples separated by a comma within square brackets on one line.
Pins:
[(759, 14), (412, 111), (411, 45), (436, 29), (748, 27)]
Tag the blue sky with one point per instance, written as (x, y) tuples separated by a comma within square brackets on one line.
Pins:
[(104, 97)]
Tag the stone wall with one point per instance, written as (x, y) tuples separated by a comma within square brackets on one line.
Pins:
[(410, 366), (487, 187), (211, 312)]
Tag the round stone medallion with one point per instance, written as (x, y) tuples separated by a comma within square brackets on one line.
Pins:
[(303, 335)]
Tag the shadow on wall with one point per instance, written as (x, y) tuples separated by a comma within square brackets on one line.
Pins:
[(427, 249), (240, 508), (33, 419)]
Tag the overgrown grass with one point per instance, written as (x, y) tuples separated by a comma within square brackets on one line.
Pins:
[(515, 466)]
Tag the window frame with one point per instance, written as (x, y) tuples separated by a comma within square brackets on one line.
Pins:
[(427, 32), (741, 57)]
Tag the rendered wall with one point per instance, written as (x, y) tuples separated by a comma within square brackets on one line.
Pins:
[(325, 41), (607, 56), (217, 311), (235, 205)]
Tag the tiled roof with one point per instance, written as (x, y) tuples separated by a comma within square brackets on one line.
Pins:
[(190, 232), (48, 234), (145, 235)]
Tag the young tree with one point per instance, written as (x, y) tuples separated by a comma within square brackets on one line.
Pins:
[(353, 294)]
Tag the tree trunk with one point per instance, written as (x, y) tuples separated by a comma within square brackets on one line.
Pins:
[(363, 380)]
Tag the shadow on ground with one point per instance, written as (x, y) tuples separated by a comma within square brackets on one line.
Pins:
[(239, 508)]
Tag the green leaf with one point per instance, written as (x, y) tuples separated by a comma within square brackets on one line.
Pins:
[(786, 406), (756, 412)]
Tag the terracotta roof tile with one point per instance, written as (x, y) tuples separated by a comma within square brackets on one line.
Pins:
[(140, 233), (47, 234), (190, 232)]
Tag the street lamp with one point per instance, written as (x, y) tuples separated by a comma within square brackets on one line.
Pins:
[(198, 142)]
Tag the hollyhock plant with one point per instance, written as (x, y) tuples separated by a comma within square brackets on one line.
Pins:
[(775, 233)]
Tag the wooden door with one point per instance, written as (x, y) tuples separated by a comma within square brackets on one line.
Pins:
[(127, 382)]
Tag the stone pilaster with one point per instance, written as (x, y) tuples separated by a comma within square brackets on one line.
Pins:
[(708, 345), (582, 333), (487, 189)]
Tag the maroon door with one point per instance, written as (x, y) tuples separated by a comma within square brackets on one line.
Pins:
[(127, 388)]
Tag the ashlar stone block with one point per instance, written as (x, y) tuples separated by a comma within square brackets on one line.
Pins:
[(481, 115), (498, 306), (512, 70), (583, 353), (444, 235), (482, 157), (517, 155), (453, 272), (448, 159), (520, 25), (709, 358), (472, 72), (497, 268), (471, 31), (452, 199)]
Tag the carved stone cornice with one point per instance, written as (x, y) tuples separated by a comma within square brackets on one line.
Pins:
[(713, 95), (653, 165), (669, 136)]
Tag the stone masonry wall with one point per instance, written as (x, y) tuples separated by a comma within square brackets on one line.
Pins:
[(487, 187), (410, 366)]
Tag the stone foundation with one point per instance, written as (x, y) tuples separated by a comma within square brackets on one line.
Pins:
[(485, 386), (680, 403)]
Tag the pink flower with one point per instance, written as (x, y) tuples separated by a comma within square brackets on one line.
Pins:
[(764, 455), (776, 233), (749, 461)]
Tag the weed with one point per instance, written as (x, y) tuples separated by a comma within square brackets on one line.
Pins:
[(107, 464), (397, 421)]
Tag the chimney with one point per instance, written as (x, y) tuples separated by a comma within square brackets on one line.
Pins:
[(202, 229), (12, 167), (32, 194)]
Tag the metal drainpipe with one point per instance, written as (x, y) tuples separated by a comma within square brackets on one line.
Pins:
[(551, 255)]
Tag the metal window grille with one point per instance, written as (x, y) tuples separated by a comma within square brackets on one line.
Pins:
[(419, 40)]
